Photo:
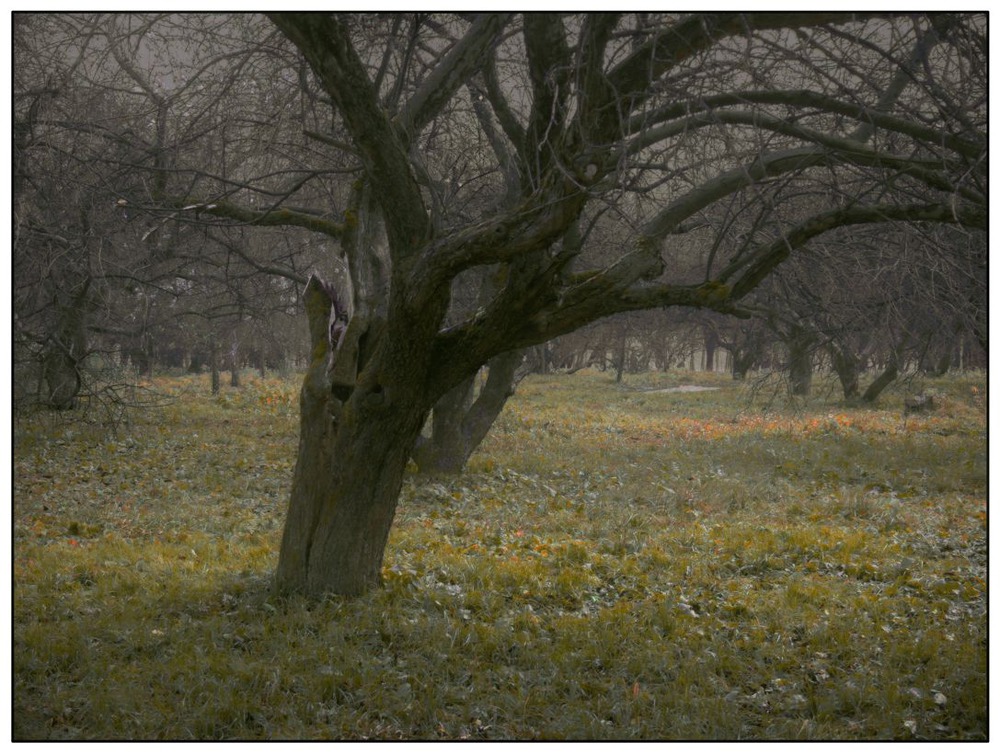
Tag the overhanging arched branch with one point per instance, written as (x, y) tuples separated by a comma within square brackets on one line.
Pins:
[(755, 268)]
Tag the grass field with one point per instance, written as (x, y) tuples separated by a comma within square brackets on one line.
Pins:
[(617, 562)]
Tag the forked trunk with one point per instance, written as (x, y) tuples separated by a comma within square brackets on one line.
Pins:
[(460, 424)]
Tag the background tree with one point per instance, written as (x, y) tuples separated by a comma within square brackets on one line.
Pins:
[(859, 300), (67, 244), (111, 108)]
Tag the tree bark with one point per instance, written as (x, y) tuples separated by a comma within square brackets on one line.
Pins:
[(347, 481)]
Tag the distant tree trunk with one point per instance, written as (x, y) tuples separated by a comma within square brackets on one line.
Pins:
[(711, 343), (980, 325), (848, 368), (214, 365), (800, 344), (620, 357), (459, 425), (886, 378), (742, 362), (148, 359), (543, 358), (65, 352), (140, 352), (943, 364), (62, 375), (745, 350), (937, 365), (234, 367)]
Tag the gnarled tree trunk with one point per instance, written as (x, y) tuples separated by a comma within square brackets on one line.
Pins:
[(585, 105), (356, 435)]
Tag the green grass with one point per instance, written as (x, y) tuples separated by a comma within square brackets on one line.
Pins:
[(616, 563)]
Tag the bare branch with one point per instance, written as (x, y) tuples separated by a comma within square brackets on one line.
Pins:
[(327, 46), (505, 116), (694, 34), (766, 259), (264, 218), (549, 74), (452, 72), (641, 124)]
